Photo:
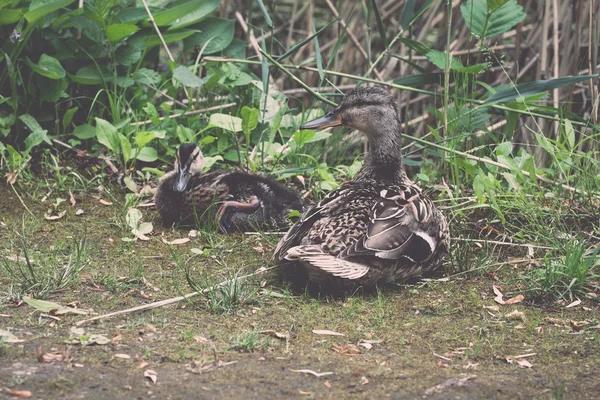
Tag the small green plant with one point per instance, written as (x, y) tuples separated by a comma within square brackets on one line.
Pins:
[(46, 274), (567, 276), (249, 342)]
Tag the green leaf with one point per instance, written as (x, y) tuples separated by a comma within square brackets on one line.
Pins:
[(169, 15), (47, 66), (35, 14), (186, 77), (421, 79), (318, 136), (9, 17), (528, 89), (201, 11), (408, 13), (48, 306), (227, 122), (107, 135), (303, 136), (147, 154), (485, 21), (68, 117), (215, 36), (414, 45), (569, 133), (35, 139), (92, 75), (144, 137), (126, 150), (264, 12), (318, 57), (30, 122), (85, 131), (249, 121), (439, 59), (117, 32)]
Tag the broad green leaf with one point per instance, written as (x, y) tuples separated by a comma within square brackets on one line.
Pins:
[(35, 14), (186, 77), (133, 217), (107, 135), (210, 161), (85, 131), (147, 76), (408, 13), (202, 10), (249, 121), (147, 154), (117, 32), (126, 150), (143, 138), (92, 75), (439, 59), (12, 16), (227, 122), (30, 122), (36, 138), (68, 117), (48, 306), (216, 34), (569, 133), (528, 89), (318, 136), (421, 79), (485, 21), (172, 14), (48, 66), (303, 136)]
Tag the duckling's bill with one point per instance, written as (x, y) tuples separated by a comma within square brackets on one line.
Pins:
[(183, 177), (330, 119)]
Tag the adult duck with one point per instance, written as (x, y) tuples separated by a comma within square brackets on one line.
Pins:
[(235, 201), (378, 227)]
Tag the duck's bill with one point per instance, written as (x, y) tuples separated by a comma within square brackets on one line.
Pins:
[(183, 177), (328, 120)]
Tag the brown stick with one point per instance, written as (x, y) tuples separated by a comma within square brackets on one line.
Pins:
[(174, 299)]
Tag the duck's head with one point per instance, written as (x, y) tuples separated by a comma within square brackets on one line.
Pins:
[(369, 109), (189, 162)]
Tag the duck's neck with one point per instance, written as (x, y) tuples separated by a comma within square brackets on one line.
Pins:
[(384, 160)]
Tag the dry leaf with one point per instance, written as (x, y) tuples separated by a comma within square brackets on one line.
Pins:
[(348, 349), (515, 300), (79, 212), (516, 315), (72, 199), (22, 394), (492, 308), (440, 364), (193, 233), (259, 250), (499, 296), (106, 203), (142, 365), (573, 304), (326, 332), (327, 384), (471, 365), (311, 372), (117, 338), (55, 217), (151, 374), (305, 393), (271, 332), (123, 356), (151, 328), (523, 363), (364, 380), (176, 241), (520, 326), (7, 337)]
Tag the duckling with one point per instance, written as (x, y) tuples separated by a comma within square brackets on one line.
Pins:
[(237, 201), (378, 227)]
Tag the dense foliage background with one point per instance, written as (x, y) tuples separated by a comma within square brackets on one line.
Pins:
[(500, 99)]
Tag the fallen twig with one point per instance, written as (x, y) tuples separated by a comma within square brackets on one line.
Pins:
[(174, 299)]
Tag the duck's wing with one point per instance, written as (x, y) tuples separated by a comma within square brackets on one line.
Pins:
[(403, 225), (301, 228)]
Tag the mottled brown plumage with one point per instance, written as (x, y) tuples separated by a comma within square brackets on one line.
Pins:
[(378, 227), (235, 201)]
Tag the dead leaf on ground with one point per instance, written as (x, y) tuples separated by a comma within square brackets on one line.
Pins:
[(8, 337), (199, 367), (517, 299), (22, 394), (105, 202), (516, 315), (523, 363), (151, 374), (55, 217), (52, 356), (326, 332), (142, 365), (79, 212), (176, 241), (574, 304), (364, 380), (520, 326), (347, 349), (450, 382), (368, 343), (51, 307), (305, 393), (273, 333), (123, 356), (117, 338), (492, 308), (72, 199), (470, 365), (327, 384), (441, 364), (311, 372), (499, 296)]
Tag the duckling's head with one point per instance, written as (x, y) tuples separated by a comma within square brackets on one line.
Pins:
[(369, 109), (189, 162)]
